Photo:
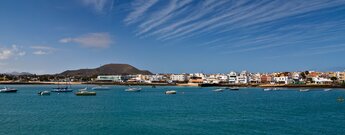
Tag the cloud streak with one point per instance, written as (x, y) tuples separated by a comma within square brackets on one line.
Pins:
[(238, 26), (90, 40), (8, 53), (100, 6), (42, 50)]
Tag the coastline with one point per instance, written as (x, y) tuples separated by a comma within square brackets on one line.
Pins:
[(179, 84)]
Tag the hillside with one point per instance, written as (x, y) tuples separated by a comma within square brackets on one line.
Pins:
[(109, 69)]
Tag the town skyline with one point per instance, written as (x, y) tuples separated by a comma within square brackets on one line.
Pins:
[(177, 36)]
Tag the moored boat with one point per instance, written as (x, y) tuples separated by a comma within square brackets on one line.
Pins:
[(218, 90), (44, 93), (62, 89), (85, 93), (267, 89), (101, 88), (170, 92), (304, 90), (133, 89), (8, 90), (84, 89), (327, 89)]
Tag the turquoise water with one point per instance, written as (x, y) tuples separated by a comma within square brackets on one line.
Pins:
[(192, 111)]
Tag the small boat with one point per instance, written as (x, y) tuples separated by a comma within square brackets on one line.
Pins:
[(340, 99), (327, 89), (170, 92), (84, 89), (85, 93), (276, 88), (62, 89), (234, 88), (267, 89), (218, 90), (101, 88), (304, 90), (153, 86), (8, 90), (133, 89), (44, 93)]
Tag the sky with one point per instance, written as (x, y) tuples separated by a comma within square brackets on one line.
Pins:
[(172, 36)]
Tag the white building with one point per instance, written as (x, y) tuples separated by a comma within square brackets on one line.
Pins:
[(232, 76), (223, 78), (281, 79), (255, 78), (154, 78), (203, 76), (113, 78), (242, 78), (179, 77), (321, 80)]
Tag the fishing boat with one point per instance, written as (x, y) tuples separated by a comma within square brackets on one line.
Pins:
[(170, 92), (101, 88), (267, 89), (304, 90), (234, 88), (8, 90), (327, 89), (84, 89), (60, 89), (133, 89), (218, 90), (85, 93), (44, 93)]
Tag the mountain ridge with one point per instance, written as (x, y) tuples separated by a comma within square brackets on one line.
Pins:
[(107, 69)]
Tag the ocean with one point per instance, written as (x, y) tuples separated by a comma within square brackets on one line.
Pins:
[(192, 110)]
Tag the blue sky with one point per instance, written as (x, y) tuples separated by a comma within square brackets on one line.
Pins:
[(172, 36)]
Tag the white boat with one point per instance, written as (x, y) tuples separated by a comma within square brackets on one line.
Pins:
[(62, 89), (304, 90), (133, 89), (66, 88), (276, 88), (85, 93), (44, 93), (218, 90), (101, 88), (267, 89), (170, 92), (84, 89), (327, 89), (8, 90)]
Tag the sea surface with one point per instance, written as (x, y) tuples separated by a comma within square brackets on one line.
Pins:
[(192, 110)]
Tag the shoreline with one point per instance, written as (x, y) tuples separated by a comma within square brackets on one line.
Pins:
[(182, 84)]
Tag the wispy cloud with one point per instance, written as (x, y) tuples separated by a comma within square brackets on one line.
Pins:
[(238, 26), (8, 53), (138, 9), (42, 50), (93, 40), (100, 6)]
